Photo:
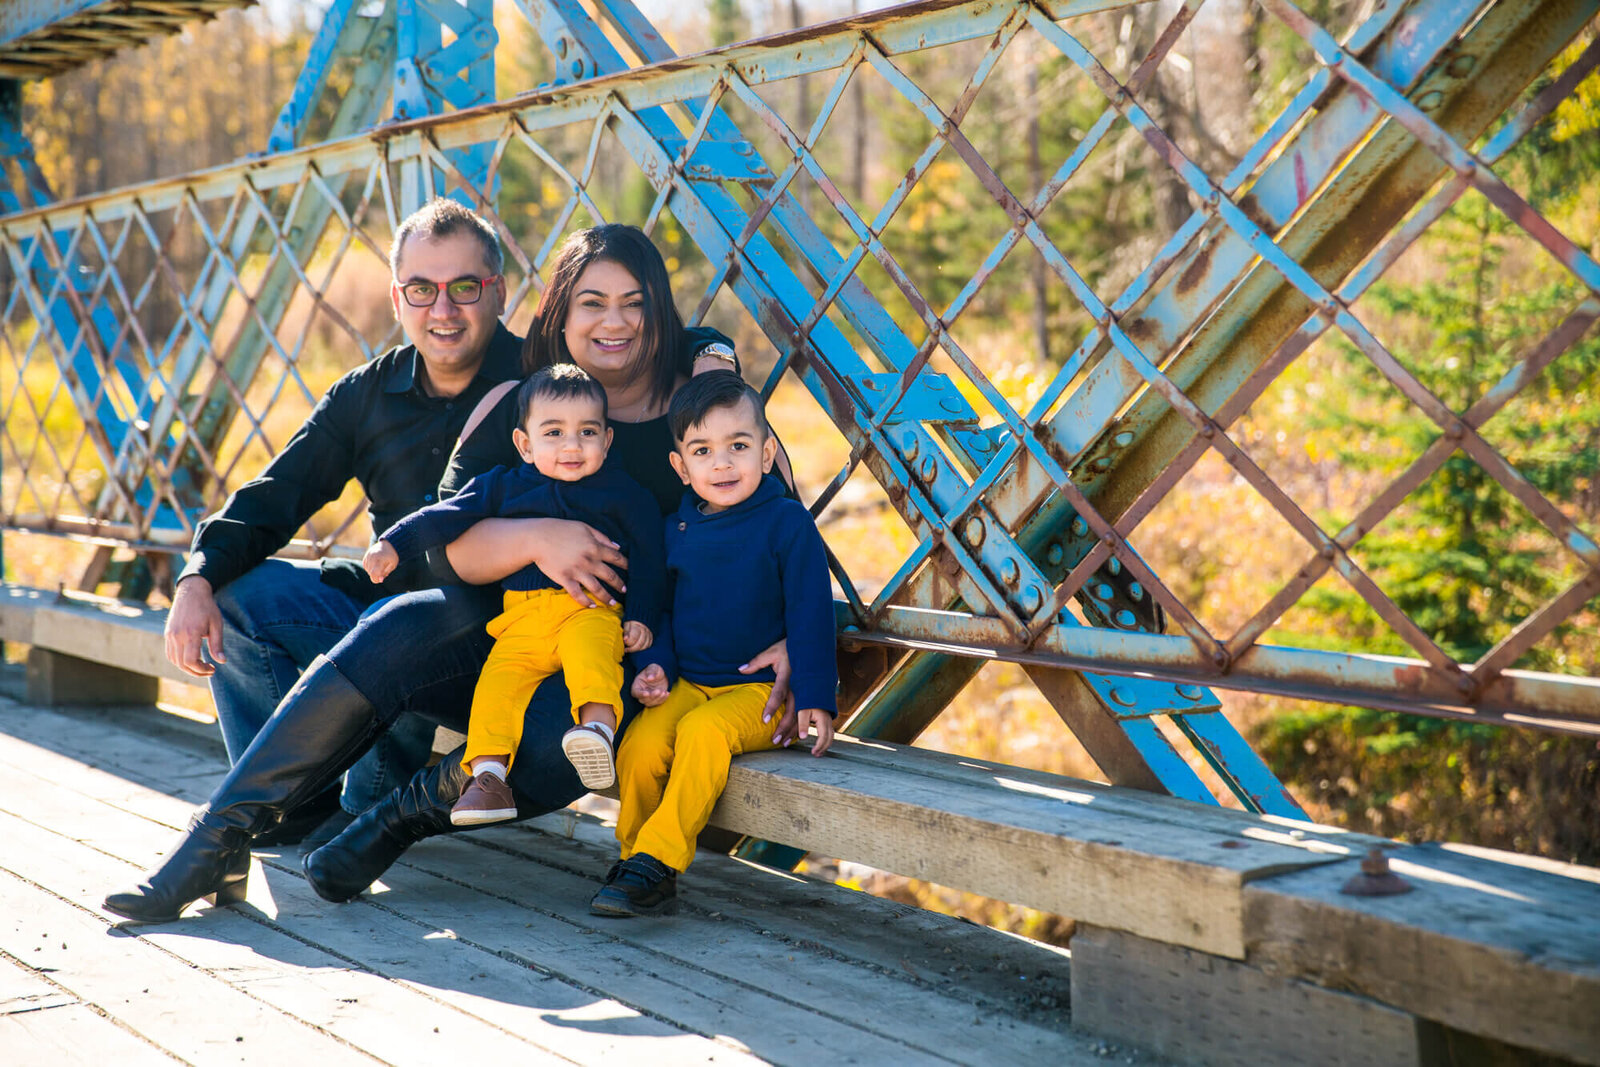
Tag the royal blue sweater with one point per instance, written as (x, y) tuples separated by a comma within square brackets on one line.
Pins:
[(740, 580), (609, 500)]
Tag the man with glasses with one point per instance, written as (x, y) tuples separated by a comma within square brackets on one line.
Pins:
[(250, 624)]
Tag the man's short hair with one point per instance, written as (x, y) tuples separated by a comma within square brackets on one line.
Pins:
[(705, 392), (563, 381), (441, 217)]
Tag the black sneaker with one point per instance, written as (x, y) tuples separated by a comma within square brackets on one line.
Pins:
[(638, 885)]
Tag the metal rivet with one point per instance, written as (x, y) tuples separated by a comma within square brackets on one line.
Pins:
[(1102, 464), (1135, 591), (1461, 66), (910, 449), (577, 68), (872, 383), (1079, 527), (1032, 599), (1054, 555), (1123, 697), (975, 531), (1189, 692), (980, 443), (1430, 100), (950, 404), (1326, 551), (1125, 619), (561, 48), (1123, 439), (1102, 591), (1010, 573), (928, 470), (1114, 566)]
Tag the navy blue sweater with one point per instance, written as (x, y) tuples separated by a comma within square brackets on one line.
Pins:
[(741, 580), (609, 500)]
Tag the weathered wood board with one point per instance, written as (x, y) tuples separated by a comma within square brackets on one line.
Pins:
[(479, 943)]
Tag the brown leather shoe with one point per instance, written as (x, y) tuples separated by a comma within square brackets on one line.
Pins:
[(486, 799)]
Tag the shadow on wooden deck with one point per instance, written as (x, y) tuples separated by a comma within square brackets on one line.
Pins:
[(476, 944)]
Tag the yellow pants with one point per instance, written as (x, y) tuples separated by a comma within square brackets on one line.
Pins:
[(673, 764), (537, 634)]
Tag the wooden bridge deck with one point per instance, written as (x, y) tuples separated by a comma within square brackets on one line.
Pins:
[(480, 944)]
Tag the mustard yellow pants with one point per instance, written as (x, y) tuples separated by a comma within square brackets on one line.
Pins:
[(537, 634), (673, 764)]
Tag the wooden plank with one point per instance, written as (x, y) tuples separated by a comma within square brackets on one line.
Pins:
[(963, 960), (22, 989), (781, 975), (73, 1036), (469, 943), (272, 964), (1202, 1009), (1482, 945), (1024, 846), (114, 632), (116, 976)]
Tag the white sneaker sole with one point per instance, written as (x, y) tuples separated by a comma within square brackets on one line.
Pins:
[(481, 816), (591, 757)]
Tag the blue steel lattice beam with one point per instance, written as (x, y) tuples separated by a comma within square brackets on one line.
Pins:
[(786, 305)]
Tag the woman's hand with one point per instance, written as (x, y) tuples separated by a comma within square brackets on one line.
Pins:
[(650, 686), (574, 555)]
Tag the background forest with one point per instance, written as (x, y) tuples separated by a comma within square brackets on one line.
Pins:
[(1460, 557)]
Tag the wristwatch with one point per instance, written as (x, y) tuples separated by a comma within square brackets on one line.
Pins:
[(718, 350)]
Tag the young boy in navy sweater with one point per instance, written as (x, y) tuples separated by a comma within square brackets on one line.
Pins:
[(563, 442), (747, 569)]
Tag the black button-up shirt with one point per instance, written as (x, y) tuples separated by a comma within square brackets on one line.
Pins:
[(377, 425)]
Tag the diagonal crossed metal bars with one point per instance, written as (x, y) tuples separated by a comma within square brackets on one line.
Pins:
[(157, 342)]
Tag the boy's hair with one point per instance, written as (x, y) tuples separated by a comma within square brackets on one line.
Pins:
[(441, 217), (563, 381), (704, 392)]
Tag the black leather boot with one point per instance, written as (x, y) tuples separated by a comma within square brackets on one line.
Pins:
[(351, 862), (319, 729)]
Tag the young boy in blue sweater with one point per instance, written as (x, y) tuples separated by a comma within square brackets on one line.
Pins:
[(563, 441), (747, 568)]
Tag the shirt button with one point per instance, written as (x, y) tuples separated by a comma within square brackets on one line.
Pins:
[(428, 499), (683, 526), (436, 451), (450, 405)]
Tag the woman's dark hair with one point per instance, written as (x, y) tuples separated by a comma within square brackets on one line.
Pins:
[(660, 340), (560, 382), (704, 393)]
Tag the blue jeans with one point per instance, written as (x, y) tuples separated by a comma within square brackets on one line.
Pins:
[(422, 652), (277, 618)]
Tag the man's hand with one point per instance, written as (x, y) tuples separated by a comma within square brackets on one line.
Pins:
[(193, 618), (636, 636), (380, 561), (650, 686), (581, 559), (823, 722)]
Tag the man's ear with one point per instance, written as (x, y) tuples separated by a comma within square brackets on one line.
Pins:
[(769, 452), (524, 443), (679, 466), (394, 299)]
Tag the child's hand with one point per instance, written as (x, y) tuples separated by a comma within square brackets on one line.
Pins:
[(636, 637), (809, 717), (380, 561), (650, 686)]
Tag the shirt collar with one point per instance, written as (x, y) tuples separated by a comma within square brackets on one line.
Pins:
[(769, 489), (501, 363)]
